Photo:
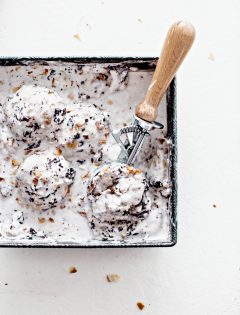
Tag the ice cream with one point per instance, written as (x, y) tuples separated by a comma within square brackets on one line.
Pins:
[(83, 133), (34, 113), (2, 116), (119, 201), (43, 180), (6, 181), (54, 217)]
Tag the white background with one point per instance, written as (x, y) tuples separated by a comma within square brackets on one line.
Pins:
[(201, 274)]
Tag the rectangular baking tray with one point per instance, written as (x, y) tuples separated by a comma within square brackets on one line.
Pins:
[(146, 63)]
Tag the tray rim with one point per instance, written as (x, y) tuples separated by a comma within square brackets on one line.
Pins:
[(172, 128)]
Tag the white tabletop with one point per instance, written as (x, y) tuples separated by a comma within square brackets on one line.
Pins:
[(201, 274)]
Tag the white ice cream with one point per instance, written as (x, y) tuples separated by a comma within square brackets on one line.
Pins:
[(118, 198), (34, 113), (83, 133), (33, 125), (44, 180)]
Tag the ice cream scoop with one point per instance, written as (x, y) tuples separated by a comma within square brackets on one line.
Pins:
[(178, 42)]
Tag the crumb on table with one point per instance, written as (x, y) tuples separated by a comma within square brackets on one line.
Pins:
[(72, 269), (140, 305), (211, 57), (77, 36), (113, 278)]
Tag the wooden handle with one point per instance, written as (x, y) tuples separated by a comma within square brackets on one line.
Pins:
[(177, 44)]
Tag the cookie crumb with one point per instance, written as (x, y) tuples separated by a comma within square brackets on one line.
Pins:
[(51, 220), (53, 83), (71, 96), (140, 305), (67, 190), (45, 72), (35, 181), (113, 278), (103, 141), (16, 88), (99, 125), (87, 175), (134, 171), (109, 102), (41, 220), (15, 163), (47, 120), (58, 152), (77, 36), (72, 145), (38, 173), (72, 269), (27, 152), (214, 206), (211, 57)]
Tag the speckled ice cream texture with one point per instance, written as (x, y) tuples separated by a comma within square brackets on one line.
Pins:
[(83, 133), (113, 88), (44, 180), (34, 113), (119, 202)]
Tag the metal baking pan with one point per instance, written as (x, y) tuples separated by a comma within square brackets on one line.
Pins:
[(146, 63)]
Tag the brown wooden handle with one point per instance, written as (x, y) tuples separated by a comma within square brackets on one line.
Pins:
[(178, 42)]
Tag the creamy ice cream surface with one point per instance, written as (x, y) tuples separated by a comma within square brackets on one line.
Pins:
[(44, 180), (83, 133), (34, 113), (119, 201), (59, 180)]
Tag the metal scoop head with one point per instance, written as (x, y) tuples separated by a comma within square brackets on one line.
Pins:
[(130, 139)]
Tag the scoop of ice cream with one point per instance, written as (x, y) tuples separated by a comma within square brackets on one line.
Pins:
[(44, 180), (34, 113), (118, 198), (83, 133)]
